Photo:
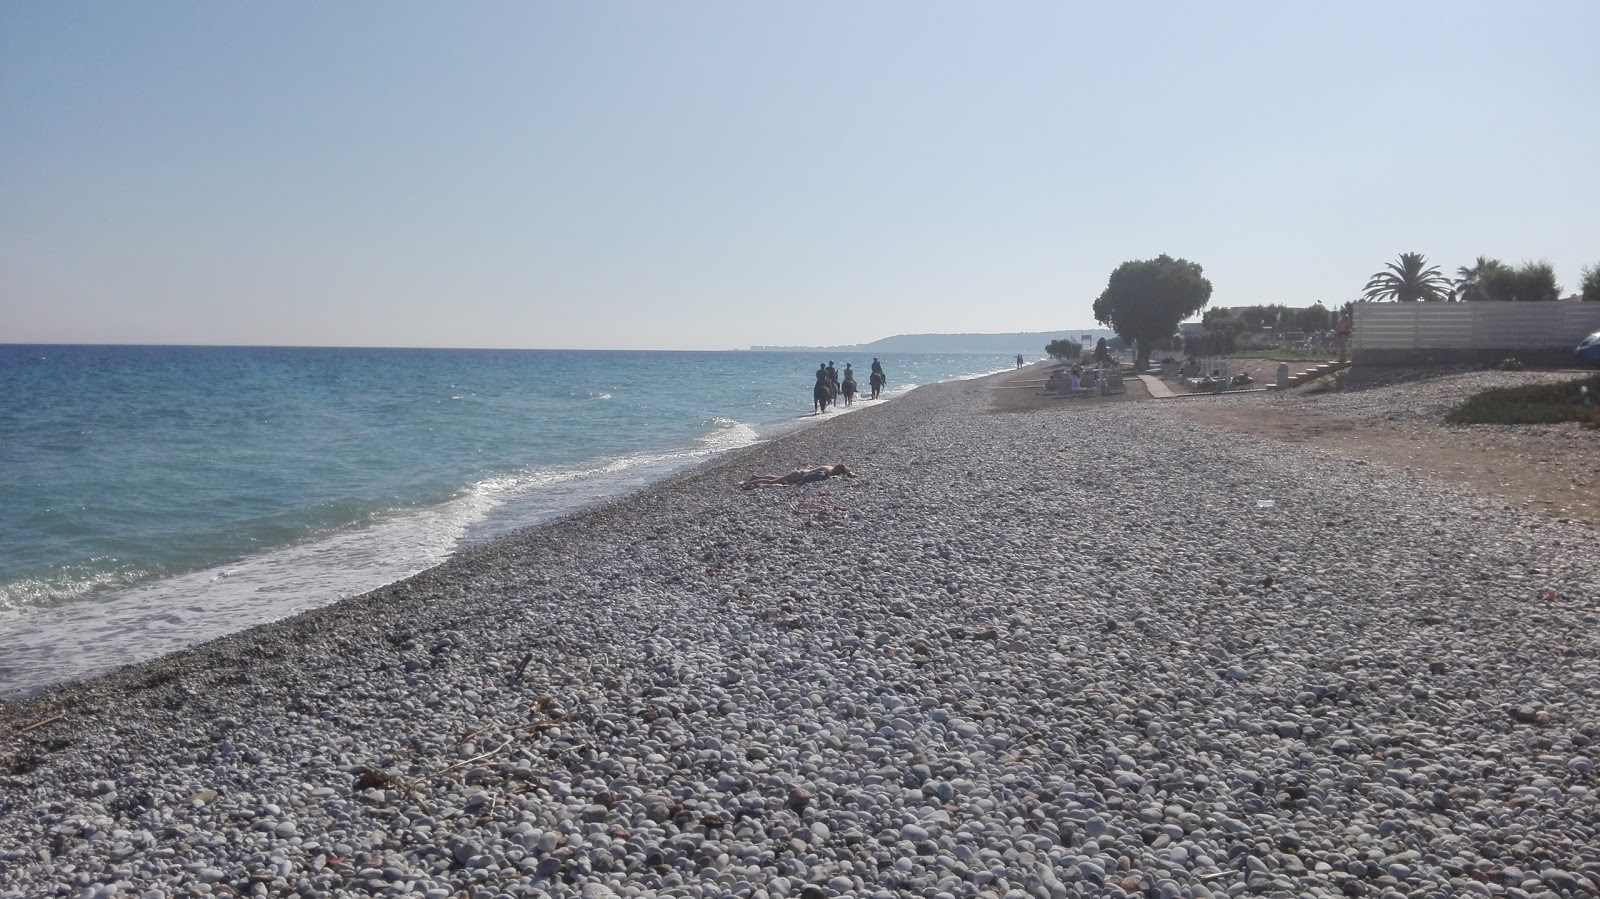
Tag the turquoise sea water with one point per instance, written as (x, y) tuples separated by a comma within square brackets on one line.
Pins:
[(152, 497)]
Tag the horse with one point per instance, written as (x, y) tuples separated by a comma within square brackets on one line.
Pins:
[(877, 383), (849, 390), (821, 395)]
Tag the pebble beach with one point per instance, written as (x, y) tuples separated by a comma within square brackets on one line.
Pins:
[(1097, 651)]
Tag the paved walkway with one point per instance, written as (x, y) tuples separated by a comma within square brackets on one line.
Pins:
[(1158, 390)]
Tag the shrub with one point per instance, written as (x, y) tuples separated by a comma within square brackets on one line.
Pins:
[(1511, 363), (1528, 282), (1334, 384), (1534, 404)]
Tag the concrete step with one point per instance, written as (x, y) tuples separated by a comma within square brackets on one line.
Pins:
[(1311, 374)]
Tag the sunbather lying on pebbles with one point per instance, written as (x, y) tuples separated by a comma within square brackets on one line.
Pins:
[(797, 477)]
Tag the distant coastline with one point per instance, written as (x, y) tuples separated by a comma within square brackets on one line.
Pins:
[(1025, 342)]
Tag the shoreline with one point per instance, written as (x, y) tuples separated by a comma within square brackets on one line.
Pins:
[(790, 428), (1011, 655), (68, 640)]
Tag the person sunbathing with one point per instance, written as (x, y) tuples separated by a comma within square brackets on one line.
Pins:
[(797, 477)]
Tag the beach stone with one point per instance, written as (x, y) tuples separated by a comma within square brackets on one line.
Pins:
[(940, 677)]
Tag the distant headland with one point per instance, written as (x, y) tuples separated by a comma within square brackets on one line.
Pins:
[(1030, 343)]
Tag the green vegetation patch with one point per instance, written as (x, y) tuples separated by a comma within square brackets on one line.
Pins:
[(1536, 404)]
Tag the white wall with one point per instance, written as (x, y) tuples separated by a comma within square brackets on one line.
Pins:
[(1473, 326)]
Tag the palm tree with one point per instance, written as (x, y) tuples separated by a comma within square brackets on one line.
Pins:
[(1411, 280), (1469, 286)]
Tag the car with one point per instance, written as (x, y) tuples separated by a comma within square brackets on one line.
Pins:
[(1588, 352)]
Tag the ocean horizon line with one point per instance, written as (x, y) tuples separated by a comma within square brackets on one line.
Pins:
[(352, 346), (753, 348)]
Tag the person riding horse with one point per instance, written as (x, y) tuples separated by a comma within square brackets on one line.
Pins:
[(877, 380), (822, 393)]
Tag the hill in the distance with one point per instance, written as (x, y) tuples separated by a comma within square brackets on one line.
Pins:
[(1028, 343)]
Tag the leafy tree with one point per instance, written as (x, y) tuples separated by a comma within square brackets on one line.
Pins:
[(1256, 318), (1222, 321), (1145, 299), (1590, 286), (1469, 283), (1536, 282), (1313, 318), (1527, 283), (1259, 318), (1063, 349), (1410, 280)]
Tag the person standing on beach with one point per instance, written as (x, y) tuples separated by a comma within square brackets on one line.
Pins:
[(1019, 360)]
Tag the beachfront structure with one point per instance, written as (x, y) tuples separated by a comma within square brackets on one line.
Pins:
[(1483, 333)]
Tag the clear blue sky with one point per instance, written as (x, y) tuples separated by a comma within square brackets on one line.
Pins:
[(713, 175)]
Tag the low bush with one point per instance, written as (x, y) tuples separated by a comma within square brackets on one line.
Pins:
[(1511, 363), (1335, 383), (1536, 404)]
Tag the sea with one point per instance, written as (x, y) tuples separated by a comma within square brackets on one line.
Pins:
[(153, 497)]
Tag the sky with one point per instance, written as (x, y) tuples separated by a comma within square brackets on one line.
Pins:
[(713, 175)]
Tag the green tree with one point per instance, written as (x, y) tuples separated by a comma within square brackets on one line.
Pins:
[(1469, 281), (1313, 318), (1222, 321), (1590, 286), (1145, 299), (1529, 282), (1536, 282), (1063, 349), (1261, 317), (1408, 281)]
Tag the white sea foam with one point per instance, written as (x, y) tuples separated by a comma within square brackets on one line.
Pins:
[(104, 623), (40, 645), (726, 434), (982, 374), (77, 581)]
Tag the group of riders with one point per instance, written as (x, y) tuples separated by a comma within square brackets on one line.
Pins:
[(830, 386)]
